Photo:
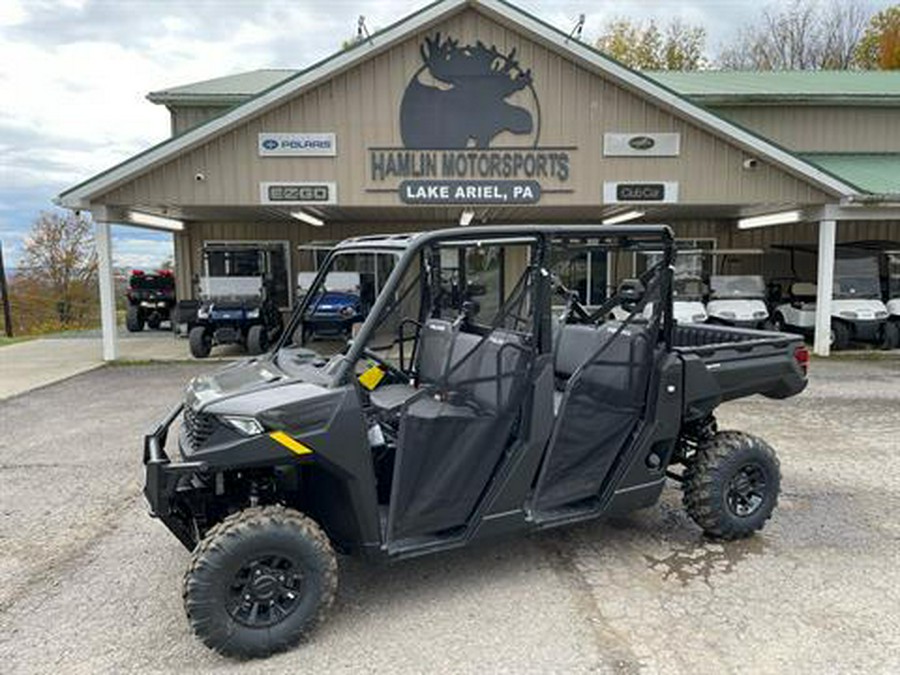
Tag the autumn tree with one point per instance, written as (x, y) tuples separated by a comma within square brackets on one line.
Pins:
[(879, 48), (646, 46), (58, 269), (800, 35)]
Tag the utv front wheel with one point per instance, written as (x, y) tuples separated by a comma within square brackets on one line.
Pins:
[(731, 485), (259, 581), (200, 342)]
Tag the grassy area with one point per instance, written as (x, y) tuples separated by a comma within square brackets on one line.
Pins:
[(13, 340)]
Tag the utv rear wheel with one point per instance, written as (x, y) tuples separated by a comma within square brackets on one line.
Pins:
[(259, 581), (134, 322), (200, 341), (257, 340), (731, 485)]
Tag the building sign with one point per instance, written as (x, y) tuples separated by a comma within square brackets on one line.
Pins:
[(642, 145), (451, 114), (631, 193), (298, 194), (465, 192), (297, 145)]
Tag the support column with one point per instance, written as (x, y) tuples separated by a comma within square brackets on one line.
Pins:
[(825, 285), (103, 238)]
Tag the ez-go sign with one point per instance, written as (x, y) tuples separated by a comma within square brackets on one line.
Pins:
[(297, 144)]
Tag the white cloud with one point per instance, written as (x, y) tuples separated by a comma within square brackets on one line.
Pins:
[(146, 254)]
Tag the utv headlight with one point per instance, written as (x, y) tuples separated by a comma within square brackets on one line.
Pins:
[(248, 426), (253, 313)]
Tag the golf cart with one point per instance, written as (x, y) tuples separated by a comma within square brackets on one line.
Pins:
[(888, 253), (689, 288), (151, 298), (236, 300), (442, 424), (738, 299), (857, 312)]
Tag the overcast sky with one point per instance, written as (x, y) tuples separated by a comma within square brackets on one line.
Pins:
[(74, 74)]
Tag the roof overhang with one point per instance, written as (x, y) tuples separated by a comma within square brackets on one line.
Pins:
[(80, 196)]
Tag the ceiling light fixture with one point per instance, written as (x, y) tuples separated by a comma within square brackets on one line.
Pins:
[(623, 217), (780, 218), (159, 222), (466, 217), (307, 218)]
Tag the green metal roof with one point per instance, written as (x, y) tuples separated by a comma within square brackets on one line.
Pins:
[(870, 172), (827, 86), (228, 89)]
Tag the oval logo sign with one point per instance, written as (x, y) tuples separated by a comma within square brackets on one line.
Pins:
[(641, 143), (270, 144)]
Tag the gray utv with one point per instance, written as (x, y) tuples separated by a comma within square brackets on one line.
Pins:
[(478, 398)]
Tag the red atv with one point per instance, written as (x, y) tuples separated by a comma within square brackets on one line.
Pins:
[(151, 298)]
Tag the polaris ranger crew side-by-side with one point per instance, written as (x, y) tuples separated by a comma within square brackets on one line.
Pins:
[(464, 408)]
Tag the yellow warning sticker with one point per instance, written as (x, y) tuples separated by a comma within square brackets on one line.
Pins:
[(371, 378)]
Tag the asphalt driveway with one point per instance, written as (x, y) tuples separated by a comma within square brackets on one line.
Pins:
[(89, 583)]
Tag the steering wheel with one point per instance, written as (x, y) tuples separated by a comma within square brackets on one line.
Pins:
[(392, 371)]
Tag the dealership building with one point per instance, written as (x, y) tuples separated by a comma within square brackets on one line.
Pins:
[(476, 111)]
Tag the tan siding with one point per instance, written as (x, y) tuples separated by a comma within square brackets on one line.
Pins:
[(362, 107), (822, 128), (187, 117)]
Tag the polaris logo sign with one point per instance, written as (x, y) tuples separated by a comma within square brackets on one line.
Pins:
[(297, 145), (642, 145)]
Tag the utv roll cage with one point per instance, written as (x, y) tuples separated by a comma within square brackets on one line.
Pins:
[(654, 238)]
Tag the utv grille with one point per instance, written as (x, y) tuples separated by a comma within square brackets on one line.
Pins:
[(198, 427)]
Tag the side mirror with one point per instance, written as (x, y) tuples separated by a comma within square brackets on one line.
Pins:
[(631, 291)]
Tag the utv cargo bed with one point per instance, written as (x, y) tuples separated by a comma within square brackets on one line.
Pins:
[(723, 363)]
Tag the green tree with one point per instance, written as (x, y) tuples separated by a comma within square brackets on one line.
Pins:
[(644, 46), (879, 48)]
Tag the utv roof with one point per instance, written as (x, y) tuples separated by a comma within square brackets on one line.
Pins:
[(403, 241)]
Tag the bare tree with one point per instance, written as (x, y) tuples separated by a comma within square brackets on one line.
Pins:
[(800, 35), (59, 265), (643, 46)]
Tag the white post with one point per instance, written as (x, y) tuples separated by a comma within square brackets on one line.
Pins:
[(827, 235), (107, 289)]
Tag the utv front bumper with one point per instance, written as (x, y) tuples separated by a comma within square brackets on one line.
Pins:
[(163, 478)]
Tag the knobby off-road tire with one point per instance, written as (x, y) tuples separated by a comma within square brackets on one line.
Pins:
[(889, 336), (264, 557), (840, 335), (200, 342), (134, 322), (731, 485)]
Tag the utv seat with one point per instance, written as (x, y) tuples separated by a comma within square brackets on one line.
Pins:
[(623, 361), (485, 378)]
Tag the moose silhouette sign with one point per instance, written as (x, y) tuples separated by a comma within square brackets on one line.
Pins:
[(472, 106), (470, 124)]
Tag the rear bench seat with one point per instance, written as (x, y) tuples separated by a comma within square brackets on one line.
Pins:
[(622, 362)]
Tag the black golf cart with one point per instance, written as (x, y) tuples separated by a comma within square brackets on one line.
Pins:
[(150, 297), (451, 419)]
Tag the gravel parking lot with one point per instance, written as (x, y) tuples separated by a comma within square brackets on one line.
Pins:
[(89, 583)]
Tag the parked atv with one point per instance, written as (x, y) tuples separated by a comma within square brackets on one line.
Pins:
[(234, 310), (438, 426), (151, 298)]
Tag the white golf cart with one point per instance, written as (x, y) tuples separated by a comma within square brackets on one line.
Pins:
[(888, 253), (857, 311), (737, 291), (689, 288)]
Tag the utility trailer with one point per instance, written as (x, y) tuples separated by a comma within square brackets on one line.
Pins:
[(447, 421)]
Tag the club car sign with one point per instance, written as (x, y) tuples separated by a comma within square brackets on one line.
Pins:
[(451, 114), (297, 145)]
